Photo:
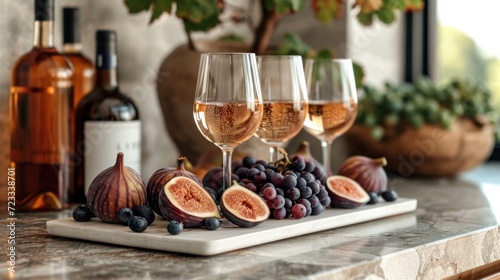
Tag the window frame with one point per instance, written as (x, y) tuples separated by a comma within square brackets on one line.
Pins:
[(421, 49)]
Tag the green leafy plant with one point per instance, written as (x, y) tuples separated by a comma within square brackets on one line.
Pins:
[(203, 15), (424, 103)]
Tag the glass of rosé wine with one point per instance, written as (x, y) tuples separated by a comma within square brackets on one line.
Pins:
[(333, 101), (284, 94), (228, 102)]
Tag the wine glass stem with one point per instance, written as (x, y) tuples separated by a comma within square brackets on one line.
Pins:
[(226, 168), (326, 149), (274, 153)]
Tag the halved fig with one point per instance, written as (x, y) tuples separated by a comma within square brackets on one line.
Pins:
[(161, 177), (243, 207), (186, 201), (345, 192)]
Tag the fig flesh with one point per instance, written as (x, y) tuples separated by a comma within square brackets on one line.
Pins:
[(161, 177), (345, 192), (367, 172), (115, 188), (243, 207), (186, 201)]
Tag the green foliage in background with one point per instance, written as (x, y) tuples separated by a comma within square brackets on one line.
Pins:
[(198, 15), (203, 15), (424, 103), (291, 44)]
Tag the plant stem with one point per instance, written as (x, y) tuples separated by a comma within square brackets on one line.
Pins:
[(190, 40), (270, 20)]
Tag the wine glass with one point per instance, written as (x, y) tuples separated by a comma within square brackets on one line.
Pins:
[(333, 101), (284, 94), (228, 103)]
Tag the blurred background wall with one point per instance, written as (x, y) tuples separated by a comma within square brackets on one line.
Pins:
[(143, 47)]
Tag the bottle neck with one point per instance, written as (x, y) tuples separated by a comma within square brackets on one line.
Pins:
[(107, 79), (44, 34), (72, 48)]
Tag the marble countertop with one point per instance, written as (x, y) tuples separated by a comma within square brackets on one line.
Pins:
[(455, 228)]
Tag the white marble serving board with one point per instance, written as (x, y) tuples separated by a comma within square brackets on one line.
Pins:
[(200, 241)]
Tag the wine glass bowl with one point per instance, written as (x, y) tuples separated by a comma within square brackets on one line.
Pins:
[(333, 103), (284, 94), (228, 102)]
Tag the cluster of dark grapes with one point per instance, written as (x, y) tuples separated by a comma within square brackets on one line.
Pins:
[(290, 188)]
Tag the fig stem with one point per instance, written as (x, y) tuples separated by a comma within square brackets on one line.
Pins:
[(119, 160), (380, 161), (180, 163)]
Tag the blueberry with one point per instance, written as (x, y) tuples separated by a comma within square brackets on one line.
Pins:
[(389, 195), (124, 215), (212, 223), (82, 213), (145, 212), (373, 198), (137, 224), (174, 227)]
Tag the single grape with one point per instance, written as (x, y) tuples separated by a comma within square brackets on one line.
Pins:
[(260, 177), (317, 210), (124, 215), (242, 172), (389, 195), (304, 202), (290, 172), (278, 202), (293, 193), (308, 212), (325, 202), (289, 181), (288, 203), (248, 161), (252, 172), (314, 187), (269, 193), (373, 198), (280, 213), (298, 163), (259, 167), (82, 213), (310, 166), (137, 224), (322, 194), (288, 212), (212, 223), (305, 192), (251, 186), (277, 179), (298, 211), (314, 201), (301, 182)]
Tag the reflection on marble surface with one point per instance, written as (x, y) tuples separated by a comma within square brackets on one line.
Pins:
[(454, 229)]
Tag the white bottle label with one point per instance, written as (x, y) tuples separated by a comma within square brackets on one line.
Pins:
[(104, 139)]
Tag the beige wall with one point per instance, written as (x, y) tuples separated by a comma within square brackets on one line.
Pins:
[(142, 49)]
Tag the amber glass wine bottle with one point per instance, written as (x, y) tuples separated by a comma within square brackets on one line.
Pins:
[(83, 68), (107, 121), (41, 103)]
